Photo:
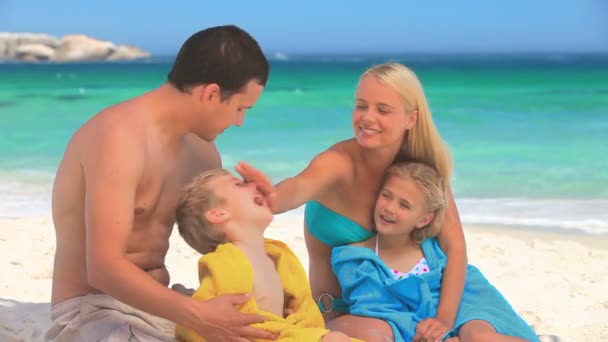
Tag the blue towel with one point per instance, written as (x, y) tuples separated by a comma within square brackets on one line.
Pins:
[(370, 290)]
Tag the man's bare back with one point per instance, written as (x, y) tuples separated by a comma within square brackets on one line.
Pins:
[(168, 166)]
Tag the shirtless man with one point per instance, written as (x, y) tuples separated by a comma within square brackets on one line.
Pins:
[(117, 189)]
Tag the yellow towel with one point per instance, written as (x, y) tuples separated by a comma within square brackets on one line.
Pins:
[(228, 271)]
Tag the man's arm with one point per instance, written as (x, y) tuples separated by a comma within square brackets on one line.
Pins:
[(113, 167)]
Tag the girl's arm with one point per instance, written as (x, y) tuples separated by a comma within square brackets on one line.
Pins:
[(451, 240)]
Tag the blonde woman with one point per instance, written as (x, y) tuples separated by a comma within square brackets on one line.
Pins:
[(391, 122)]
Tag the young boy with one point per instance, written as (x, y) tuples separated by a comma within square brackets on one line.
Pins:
[(224, 219)]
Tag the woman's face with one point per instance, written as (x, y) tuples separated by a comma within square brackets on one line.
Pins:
[(380, 118)]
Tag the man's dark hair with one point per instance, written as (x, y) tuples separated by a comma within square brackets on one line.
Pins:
[(226, 55)]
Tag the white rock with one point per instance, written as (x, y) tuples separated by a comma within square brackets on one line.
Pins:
[(79, 47), (34, 52), (76, 47), (126, 52)]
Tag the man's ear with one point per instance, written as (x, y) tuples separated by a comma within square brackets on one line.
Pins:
[(425, 220), (217, 216), (209, 92)]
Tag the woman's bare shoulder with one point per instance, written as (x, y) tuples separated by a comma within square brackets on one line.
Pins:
[(342, 152), (345, 146)]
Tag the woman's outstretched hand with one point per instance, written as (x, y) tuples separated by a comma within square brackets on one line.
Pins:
[(261, 181)]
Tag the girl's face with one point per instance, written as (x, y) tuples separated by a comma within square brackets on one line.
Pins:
[(380, 118), (400, 207)]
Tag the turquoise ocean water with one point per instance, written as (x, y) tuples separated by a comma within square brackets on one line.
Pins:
[(528, 133)]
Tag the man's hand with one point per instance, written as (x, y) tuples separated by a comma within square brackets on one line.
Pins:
[(431, 330), (220, 320), (261, 181)]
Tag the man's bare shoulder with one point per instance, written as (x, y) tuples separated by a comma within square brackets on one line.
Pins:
[(114, 131), (124, 115), (119, 120), (201, 153), (200, 146)]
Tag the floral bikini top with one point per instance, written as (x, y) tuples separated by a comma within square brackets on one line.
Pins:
[(419, 268)]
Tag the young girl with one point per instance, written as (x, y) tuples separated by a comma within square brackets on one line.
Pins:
[(396, 275)]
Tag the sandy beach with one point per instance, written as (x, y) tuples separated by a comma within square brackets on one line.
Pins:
[(556, 281)]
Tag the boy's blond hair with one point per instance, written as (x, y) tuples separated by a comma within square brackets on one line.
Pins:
[(197, 199), (433, 188)]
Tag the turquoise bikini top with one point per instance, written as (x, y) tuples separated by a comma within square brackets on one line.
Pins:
[(331, 228), (335, 230)]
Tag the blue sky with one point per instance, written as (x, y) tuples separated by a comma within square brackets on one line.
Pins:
[(330, 26)]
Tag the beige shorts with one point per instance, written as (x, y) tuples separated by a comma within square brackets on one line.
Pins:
[(100, 317)]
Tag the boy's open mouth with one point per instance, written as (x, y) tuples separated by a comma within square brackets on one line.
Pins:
[(259, 200)]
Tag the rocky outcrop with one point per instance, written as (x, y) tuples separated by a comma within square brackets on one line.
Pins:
[(34, 52), (123, 52), (77, 47)]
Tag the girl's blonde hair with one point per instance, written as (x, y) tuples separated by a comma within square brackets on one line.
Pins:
[(422, 143), (433, 187)]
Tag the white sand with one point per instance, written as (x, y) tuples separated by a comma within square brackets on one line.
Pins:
[(557, 282)]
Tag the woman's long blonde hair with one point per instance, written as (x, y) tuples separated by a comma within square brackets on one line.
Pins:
[(422, 143)]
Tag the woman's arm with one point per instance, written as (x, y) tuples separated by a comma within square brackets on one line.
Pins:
[(324, 172), (451, 240), (322, 279)]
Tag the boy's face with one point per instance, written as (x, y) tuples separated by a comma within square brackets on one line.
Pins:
[(400, 207), (242, 201)]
